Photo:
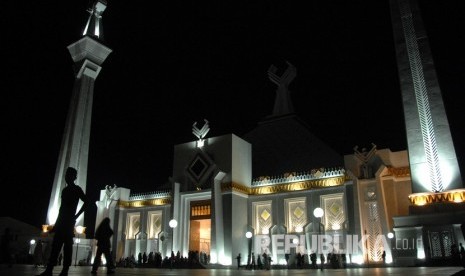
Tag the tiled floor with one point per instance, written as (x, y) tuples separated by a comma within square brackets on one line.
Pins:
[(29, 270)]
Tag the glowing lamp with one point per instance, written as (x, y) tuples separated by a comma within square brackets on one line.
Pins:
[(173, 223), (318, 212)]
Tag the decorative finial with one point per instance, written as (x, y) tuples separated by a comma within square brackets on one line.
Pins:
[(365, 157), (109, 195), (283, 104), (200, 133), (94, 23)]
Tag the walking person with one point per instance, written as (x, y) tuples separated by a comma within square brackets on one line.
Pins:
[(64, 226), (103, 235)]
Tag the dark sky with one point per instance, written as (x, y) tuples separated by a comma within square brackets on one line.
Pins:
[(178, 63)]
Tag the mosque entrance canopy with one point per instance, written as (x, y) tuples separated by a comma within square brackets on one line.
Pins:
[(200, 226)]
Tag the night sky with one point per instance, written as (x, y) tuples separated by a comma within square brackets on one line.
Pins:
[(179, 63)]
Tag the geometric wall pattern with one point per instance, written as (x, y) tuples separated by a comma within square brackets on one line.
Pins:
[(334, 213), (435, 241), (154, 224), (446, 238), (262, 217), (375, 250), (133, 225), (296, 214), (441, 243)]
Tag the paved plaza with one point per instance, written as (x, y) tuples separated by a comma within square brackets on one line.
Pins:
[(26, 270)]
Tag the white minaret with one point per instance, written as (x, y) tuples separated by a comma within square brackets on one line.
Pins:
[(433, 162), (88, 54)]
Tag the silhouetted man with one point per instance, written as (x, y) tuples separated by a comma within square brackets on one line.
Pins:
[(238, 258), (64, 226)]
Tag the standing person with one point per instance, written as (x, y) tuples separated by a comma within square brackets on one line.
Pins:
[(103, 235), (38, 254), (286, 256), (265, 260), (259, 262), (322, 258), (144, 258), (462, 254), (139, 258), (238, 258), (64, 226), (253, 261)]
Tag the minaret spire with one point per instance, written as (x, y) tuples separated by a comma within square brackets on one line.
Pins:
[(94, 23), (88, 54), (433, 161), (283, 103)]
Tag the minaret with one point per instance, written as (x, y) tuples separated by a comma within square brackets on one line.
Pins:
[(88, 54), (433, 161)]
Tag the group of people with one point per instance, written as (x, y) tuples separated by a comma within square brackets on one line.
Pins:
[(262, 261), (153, 259)]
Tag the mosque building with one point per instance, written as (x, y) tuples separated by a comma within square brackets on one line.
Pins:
[(280, 189)]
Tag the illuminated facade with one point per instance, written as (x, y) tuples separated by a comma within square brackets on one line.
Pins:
[(269, 182), (215, 200)]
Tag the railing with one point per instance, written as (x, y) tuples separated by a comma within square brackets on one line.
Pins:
[(298, 176), (151, 195)]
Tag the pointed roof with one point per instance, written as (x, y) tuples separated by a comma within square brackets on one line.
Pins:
[(282, 144), (94, 26)]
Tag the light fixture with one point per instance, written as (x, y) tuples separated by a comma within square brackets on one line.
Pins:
[(248, 234), (173, 223), (80, 229), (318, 212), (336, 226)]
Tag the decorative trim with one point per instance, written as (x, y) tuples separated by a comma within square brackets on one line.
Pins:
[(398, 172), (154, 195), (283, 188), (144, 203), (451, 196), (291, 177)]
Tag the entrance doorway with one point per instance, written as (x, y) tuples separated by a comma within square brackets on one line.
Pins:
[(200, 227)]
